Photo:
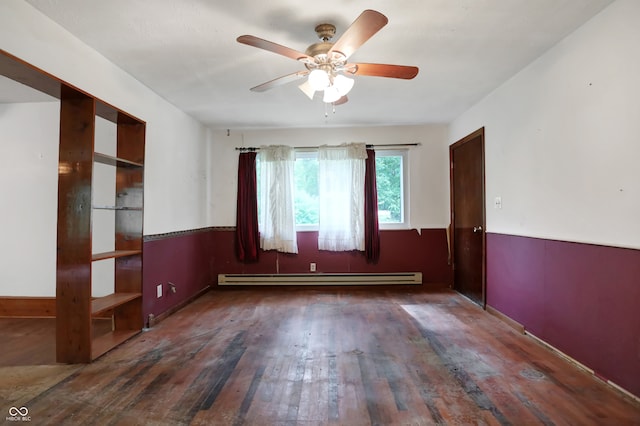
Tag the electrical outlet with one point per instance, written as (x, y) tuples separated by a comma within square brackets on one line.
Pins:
[(159, 290), (312, 267)]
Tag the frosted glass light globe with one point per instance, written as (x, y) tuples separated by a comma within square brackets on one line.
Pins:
[(343, 84), (319, 79), (331, 94)]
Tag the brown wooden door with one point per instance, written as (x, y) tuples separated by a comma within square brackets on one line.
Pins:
[(467, 216)]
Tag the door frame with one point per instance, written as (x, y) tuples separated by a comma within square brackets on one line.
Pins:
[(474, 135)]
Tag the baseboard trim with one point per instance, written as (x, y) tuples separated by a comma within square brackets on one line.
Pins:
[(156, 319), (584, 367), (522, 329), (27, 307), (509, 321)]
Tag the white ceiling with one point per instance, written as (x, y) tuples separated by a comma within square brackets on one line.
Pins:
[(186, 51)]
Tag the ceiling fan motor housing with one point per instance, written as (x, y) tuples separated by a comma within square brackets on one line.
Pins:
[(318, 49), (325, 31)]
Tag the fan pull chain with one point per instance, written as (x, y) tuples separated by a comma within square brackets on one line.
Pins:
[(326, 110)]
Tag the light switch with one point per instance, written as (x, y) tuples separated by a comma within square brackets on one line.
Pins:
[(497, 203)]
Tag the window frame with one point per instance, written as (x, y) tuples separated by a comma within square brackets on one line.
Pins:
[(404, 182)]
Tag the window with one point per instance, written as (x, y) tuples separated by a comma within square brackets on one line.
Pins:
[(391, 175), (390, 178), (306, 189)]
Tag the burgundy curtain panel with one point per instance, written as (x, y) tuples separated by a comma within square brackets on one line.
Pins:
[(247, 235), (371, 227)]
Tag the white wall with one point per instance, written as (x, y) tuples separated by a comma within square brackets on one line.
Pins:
[(428, 165), (563, 137), (190, 173), (103, 221), (177, 165), (177, 179), (28, 214)]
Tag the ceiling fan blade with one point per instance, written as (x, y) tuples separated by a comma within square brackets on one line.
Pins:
[(342, 100), (362, 29), (383, 70), (275, 48), (279, 81)]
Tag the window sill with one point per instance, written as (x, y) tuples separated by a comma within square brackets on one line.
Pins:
[(393, 226)]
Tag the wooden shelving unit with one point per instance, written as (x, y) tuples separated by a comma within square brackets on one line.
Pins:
[(106, 303), (114, 161), (114, 254), (77, 340)]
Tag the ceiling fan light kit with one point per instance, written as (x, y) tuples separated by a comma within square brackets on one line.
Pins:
[(331, 95), (343, 84), (334, 86), (318, 79), (326, 62)]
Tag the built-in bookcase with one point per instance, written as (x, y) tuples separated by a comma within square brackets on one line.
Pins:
[(87, 325), (82, 334)]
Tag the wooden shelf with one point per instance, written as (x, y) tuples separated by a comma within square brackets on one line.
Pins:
[(102, 304), (81, 333), (114, 161), (139, 209), (102, 344), (114, 254)]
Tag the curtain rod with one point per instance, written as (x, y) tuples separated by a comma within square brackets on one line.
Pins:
[(253, 148)]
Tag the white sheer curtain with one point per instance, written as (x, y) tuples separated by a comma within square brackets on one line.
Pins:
[(277, 216), (341, 186)]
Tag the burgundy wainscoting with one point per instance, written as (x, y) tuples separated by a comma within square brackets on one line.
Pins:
[(192, 261), (401, 251), (181, 258), (582, 299)]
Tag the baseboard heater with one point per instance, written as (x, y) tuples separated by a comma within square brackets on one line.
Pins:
[(393, 278)]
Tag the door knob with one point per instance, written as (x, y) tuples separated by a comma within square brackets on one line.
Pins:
[(477, 229)]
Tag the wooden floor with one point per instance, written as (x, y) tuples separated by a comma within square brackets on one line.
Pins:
[(330, 356)]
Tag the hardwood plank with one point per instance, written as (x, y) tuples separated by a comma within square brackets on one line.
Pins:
[(27, 341), (329, 356), (107, 341), (32, 341)]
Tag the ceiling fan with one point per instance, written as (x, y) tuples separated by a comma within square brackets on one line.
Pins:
[(327, 69)]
